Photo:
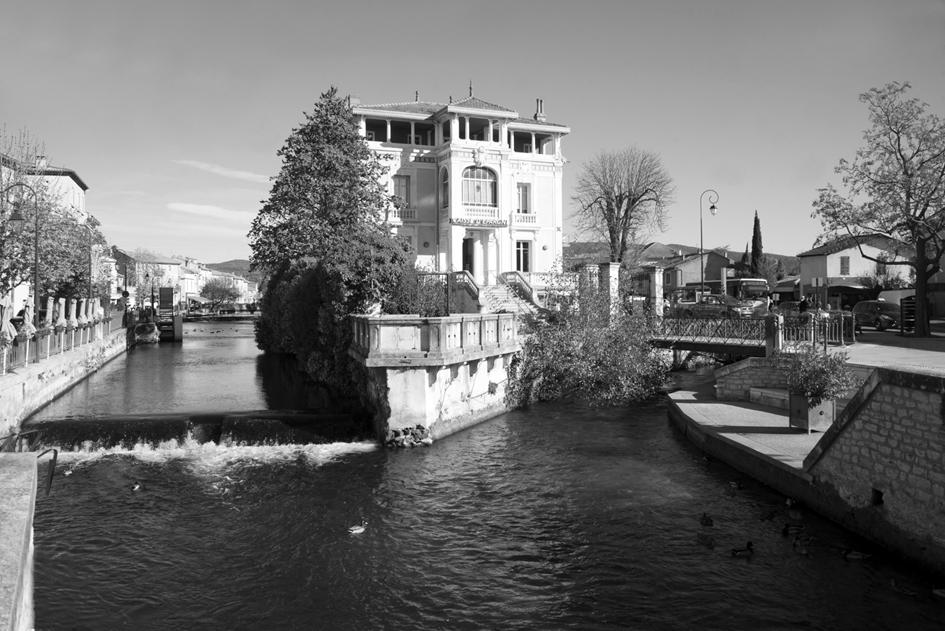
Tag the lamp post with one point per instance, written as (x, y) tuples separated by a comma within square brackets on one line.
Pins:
[(90, 225), (17, 219), (713, 198)]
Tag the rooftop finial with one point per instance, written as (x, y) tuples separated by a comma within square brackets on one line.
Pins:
[(416, 96), (451, 99), (470, 87)]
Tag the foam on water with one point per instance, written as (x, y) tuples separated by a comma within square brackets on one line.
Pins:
[(212, 457)]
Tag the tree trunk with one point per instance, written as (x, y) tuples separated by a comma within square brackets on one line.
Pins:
[(922, 328)]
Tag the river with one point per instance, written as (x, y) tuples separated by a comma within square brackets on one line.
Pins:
[(558, 517)]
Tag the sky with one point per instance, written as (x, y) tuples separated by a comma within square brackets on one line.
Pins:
[(172, 112)]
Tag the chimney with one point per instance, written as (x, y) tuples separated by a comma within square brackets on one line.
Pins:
[(40, 162), (540, 110)]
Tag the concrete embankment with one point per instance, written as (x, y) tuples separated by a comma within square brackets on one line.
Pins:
[(17, 498), (879, 470), (25, 389)]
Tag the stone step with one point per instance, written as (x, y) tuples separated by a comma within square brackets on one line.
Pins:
[(770, 397)]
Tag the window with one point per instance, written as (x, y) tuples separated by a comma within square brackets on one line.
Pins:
[(524, 193), (479, 187), (523, 256), (444, 188), (844, 265), (402, 189)]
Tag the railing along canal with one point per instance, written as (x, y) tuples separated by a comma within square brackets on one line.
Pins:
[(771, 333), (48, 341)]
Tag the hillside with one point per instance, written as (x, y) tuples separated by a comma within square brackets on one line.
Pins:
[(239, 267)]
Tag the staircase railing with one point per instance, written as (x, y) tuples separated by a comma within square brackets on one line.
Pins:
[(519, 285), (465, 280)]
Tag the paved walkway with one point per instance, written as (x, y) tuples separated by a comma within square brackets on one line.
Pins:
[(764, 432)]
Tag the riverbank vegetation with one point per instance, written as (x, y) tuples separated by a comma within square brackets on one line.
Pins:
[(587, 352)]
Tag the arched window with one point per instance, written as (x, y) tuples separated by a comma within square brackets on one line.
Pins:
[(479, 187), (444, 187)]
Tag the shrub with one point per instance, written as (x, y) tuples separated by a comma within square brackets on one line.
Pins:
[(580, 353), (819, 376)]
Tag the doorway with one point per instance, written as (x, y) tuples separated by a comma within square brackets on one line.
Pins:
[(468, 255)]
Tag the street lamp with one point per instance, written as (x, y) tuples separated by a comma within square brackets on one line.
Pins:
[(18, 221), (90, 224), (713, 197)]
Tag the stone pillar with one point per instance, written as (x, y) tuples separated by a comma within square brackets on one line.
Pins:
[(655, 289), (610, 284), (774, 334), (479, 271), (589, 276)]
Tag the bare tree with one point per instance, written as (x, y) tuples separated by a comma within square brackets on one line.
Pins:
[(623, 195)]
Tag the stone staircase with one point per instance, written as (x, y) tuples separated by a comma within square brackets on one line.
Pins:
[(502, 298)]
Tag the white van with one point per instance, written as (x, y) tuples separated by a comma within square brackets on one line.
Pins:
[(895, 295)]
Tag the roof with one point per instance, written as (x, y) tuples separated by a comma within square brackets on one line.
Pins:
[(850, 242), (32, 169), (475, 103), (431, 108), (410, 107)]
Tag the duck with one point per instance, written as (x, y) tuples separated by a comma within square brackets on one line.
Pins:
[(136, 486), (849, 554), (67, 472), (791, 529), (357, 529), (747, 551), (705, 520)]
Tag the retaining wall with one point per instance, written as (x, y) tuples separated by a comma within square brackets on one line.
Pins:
[(25, 389), (18, 493)]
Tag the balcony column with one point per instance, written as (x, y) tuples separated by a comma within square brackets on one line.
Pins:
[(533, 142), (454, 128), (557, 146), (465, 128), (412, 133), (478, 259), (504, 133), (490, 130), (362, 126), (388, 131)]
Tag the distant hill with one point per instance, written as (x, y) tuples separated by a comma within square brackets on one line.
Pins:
[(583, 252), (239, 267)]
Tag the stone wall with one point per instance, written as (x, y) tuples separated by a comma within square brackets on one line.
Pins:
[(26, 389), (431, 377), (18, 489), (734, 382), (886, 465)]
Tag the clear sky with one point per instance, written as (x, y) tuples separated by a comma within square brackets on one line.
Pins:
[(172, 111)]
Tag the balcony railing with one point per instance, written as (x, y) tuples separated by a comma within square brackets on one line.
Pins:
[(525, 219), (403, 213), (481, 212)]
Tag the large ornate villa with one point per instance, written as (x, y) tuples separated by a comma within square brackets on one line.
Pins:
[(480, 186)]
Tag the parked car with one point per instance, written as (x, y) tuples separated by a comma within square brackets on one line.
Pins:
[(719, 306), (876, 313)]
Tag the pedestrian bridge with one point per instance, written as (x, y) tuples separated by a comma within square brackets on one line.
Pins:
[(751, 337)]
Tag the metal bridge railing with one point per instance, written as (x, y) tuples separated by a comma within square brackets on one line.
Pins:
[(711, 330)]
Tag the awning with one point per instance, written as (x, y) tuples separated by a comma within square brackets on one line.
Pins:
[(196, 298)]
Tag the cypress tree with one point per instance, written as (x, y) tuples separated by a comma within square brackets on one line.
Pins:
[(757, 254)]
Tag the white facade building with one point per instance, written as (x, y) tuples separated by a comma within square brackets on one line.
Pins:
[(480, 187)]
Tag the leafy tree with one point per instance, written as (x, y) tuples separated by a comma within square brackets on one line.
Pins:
[(757, 252), (578, 354), (895, 186), (622, 195), (322, 243), (219, 291)]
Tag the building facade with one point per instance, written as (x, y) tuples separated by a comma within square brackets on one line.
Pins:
[(479, 188)]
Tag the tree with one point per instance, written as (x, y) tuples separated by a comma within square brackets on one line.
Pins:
[(322, 242), (64, 242), (219, 291), (894, 186), (757, 253), (622, 195)]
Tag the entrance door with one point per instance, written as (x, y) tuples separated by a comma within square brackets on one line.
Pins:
[(468, 255)]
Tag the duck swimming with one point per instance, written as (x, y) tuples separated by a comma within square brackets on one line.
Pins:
[(747, 551), (357, 529), (136, 486)]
